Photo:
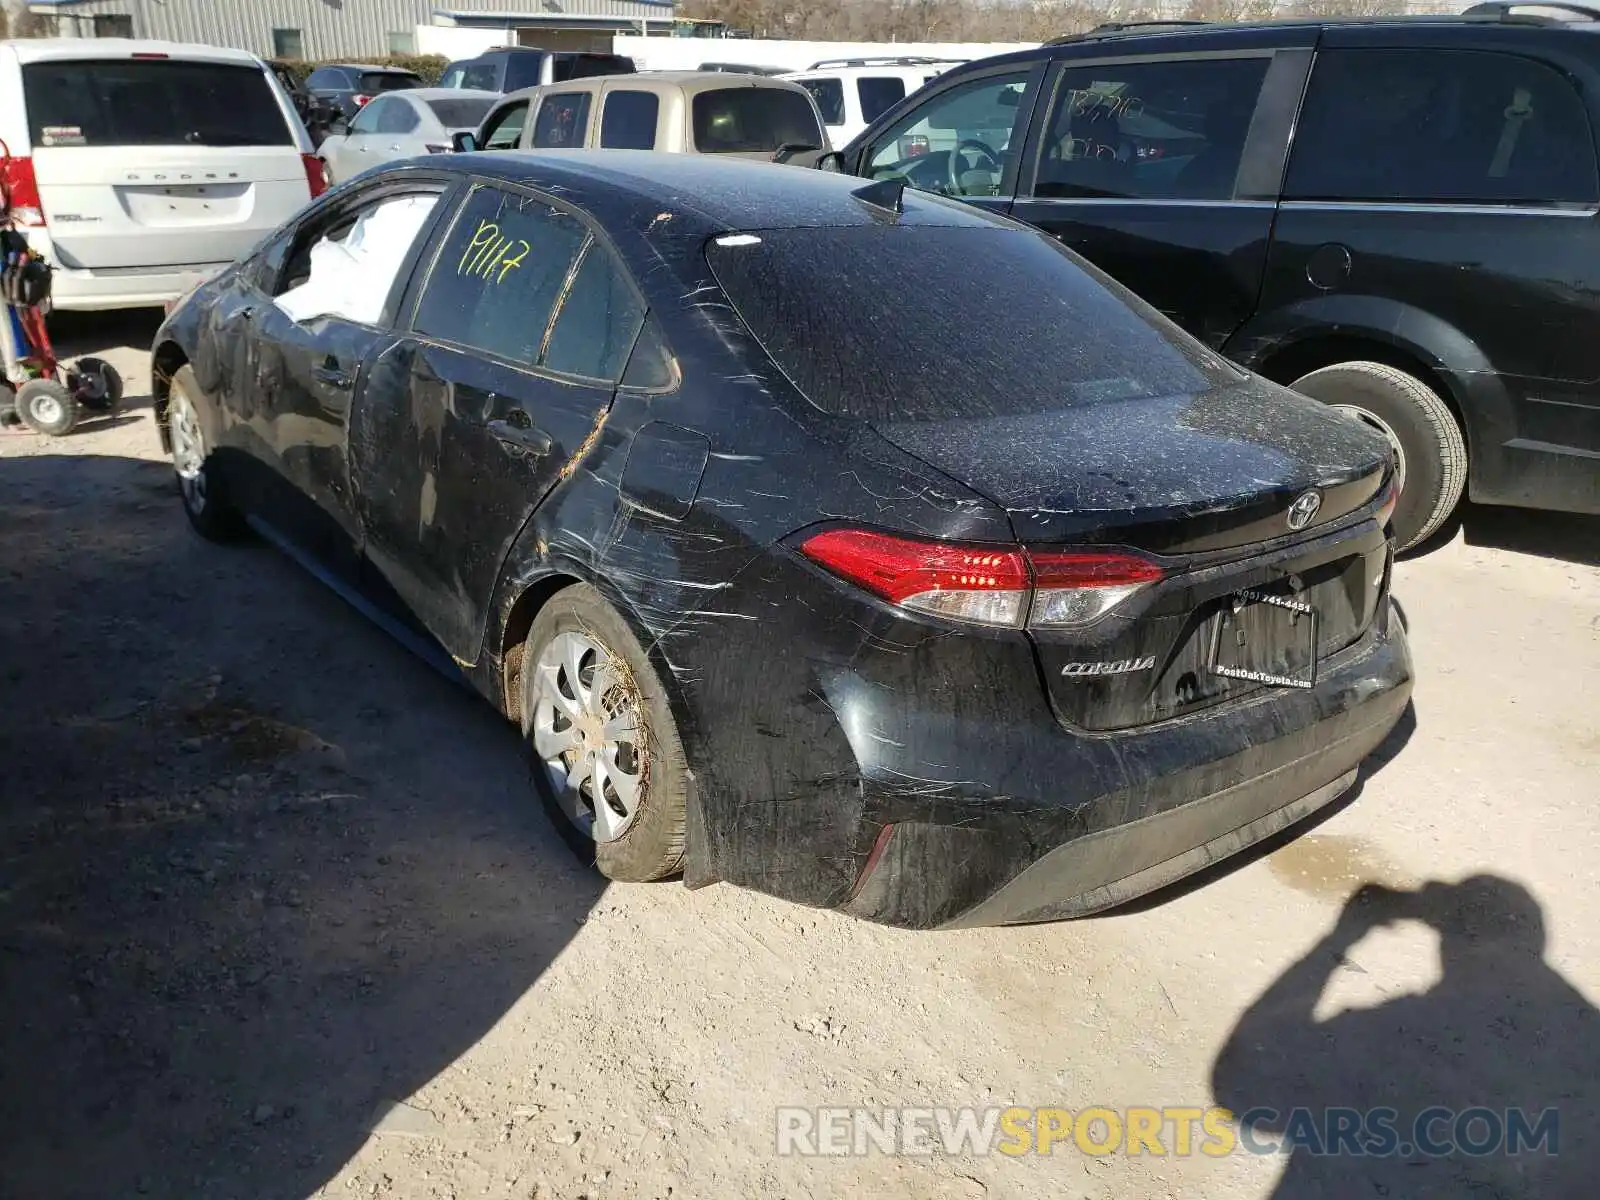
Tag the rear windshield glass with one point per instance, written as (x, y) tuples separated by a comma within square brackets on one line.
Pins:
[(747, 120), (151, 102), (461, 114), (987, 322), (388, 81)]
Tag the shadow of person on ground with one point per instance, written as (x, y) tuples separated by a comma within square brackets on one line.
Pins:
[(1382, 755), (261, 871), (1501, 1031)]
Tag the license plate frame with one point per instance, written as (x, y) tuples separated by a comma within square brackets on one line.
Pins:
[(1286, 624)]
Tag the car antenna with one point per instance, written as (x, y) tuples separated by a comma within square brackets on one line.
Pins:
[(885, 195)]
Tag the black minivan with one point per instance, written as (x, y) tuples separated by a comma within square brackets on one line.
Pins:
[(1398, 216)]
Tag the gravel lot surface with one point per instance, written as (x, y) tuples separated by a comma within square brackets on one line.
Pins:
[(278, 917)]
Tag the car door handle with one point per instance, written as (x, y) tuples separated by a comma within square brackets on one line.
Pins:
[(520, 438), (332, 375)]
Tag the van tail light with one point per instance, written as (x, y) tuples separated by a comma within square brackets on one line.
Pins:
[(316, 174), (361, 101), (21, 192), (1005, 586)]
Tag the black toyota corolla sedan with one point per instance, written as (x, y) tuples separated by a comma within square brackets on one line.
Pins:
[(836, 541)]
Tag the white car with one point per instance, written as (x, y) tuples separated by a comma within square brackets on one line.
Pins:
[(852, 93), (403, 124), (141, 168)]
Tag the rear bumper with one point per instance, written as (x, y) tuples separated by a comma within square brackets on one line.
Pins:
[(1195, 791), (89, 291)]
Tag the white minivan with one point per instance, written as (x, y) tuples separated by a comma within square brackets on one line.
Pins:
[(140, 168)]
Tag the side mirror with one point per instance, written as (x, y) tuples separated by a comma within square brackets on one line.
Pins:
[(463, 141), (830, 160)]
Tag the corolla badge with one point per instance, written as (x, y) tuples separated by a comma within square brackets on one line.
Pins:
[(1304, 509)]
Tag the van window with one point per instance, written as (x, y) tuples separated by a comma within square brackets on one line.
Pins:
[(628, 121), (751, 120), (1453, 125), (151, 102), (966, 131), (878, 94), (523, 70), (1161, 130), (562, 121), (373, 82), (829, 95)]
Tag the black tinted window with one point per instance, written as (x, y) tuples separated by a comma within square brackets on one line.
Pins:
[(460, 114), (598, 321), (328, 77), (1452, 125), (523, 70), (962, 343), (628, 121), (584, 66), (483, 77), (563, 120), (505, 128), (149, 102), (1170, 130), (373, 82), (498, 274), (753, 120), (829, 95), (878, 95)]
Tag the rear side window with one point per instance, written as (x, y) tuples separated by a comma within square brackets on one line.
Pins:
[(628, 121), (483, 77), (598, 322), (523, 70), (751, 120), (328, 77), (1160, 130), (829, 95), (460, 114), (964, 343), (373, 82), (498, 274), (148, 102), (397, 117), (878, 94), (1453, 125), (563, 120)]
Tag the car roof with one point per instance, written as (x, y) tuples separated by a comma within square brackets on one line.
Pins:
[(30, 50), (441, 93), (700, 195), (688, 82), (1581, 18)]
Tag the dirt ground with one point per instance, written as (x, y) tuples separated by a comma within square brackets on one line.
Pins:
[(278, 917)]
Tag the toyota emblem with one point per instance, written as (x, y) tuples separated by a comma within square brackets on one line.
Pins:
[(1304, 509)]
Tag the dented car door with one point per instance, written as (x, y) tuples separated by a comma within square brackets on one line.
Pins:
[(467, 420)]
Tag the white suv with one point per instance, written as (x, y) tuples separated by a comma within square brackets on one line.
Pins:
[(852, 93), (140, 168)]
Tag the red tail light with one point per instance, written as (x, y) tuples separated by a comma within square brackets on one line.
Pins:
[(986, 585), (316, 174), (21, 191), (361, 101)]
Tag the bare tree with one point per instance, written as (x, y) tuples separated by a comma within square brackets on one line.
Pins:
[(1228, 10), (1347, 8)]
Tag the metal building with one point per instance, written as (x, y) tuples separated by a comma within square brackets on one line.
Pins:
[(327, 29)]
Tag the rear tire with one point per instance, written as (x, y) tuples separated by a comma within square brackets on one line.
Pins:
[(589, 693), (1430, 451), (47, 407), (200, 486)]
